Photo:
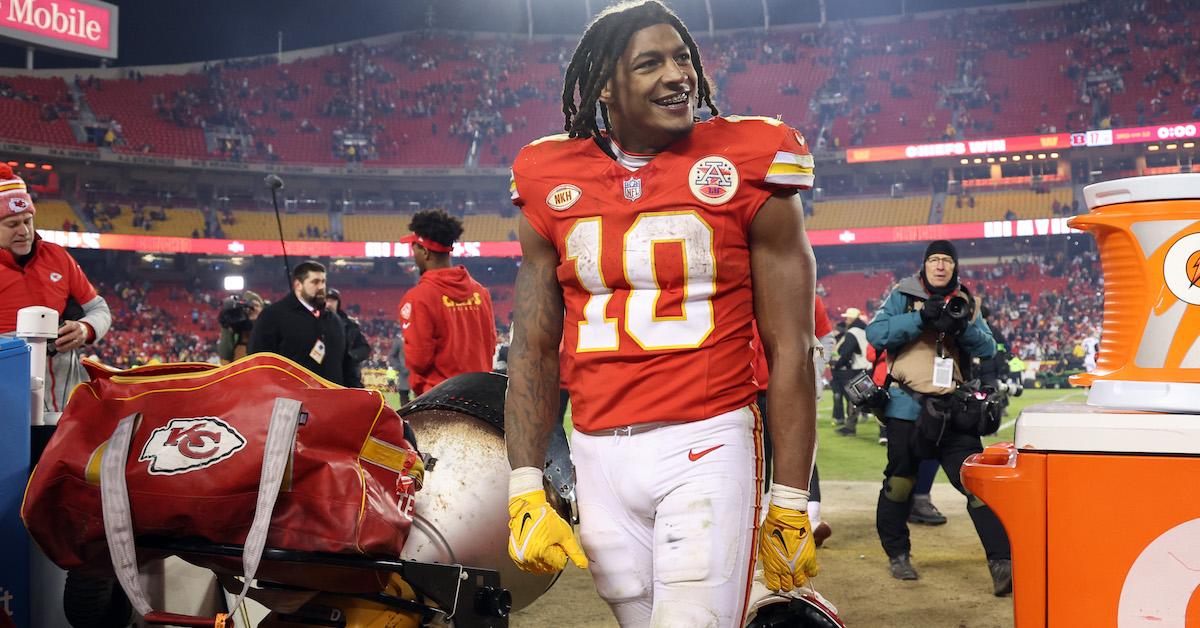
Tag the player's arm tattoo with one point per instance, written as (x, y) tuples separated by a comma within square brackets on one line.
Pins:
[(531, 406), (784, 275)]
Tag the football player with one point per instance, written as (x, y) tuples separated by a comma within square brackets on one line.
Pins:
[(651, 242)]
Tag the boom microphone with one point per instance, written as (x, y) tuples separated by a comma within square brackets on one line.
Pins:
[(274, 183)]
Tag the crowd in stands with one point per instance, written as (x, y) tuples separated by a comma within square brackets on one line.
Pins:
[(1045, 306), (145, 332), (1049, 325), (961, 74)]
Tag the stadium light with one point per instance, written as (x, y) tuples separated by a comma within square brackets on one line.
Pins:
[(1152, 147), (1029, 157), (1041, 155), (47, 167), (963, 161), (1172, 146), (1053, 155), (991, 160), (978, 160), (1003, 159), (1189, 144), (13, 164), (1016, 158), (29, 165), (233, 283)]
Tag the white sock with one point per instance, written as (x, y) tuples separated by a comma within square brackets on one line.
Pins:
[(814, 513)]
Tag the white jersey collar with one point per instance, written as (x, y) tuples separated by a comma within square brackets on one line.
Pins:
[(631, 161)]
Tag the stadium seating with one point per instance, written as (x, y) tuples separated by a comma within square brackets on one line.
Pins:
[(870, 212), (255, 225), (375, 227), (995, 205), (1020, 57), (180, 223), (489, 228), (21, 117), (863, 290), (130, 103), (52, 213)]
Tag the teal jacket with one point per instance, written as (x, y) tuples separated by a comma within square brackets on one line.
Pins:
[(897, 325)]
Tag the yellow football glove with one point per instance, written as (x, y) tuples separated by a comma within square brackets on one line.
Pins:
[(786, 550), (539, 540)]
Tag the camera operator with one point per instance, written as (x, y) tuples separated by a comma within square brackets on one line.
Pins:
[(299, 328), (849, 360), (931, 330), (36, 272), (237, 316)]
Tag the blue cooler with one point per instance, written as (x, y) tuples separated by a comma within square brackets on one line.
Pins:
[(14, 475)]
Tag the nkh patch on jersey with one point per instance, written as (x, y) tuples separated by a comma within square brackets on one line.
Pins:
[(186, 445)]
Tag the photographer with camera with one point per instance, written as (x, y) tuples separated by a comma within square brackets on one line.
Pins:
[(931, 330), (236, 318), (849, 360)]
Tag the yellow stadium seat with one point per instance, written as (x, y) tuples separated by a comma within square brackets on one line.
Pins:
[(375, 227), (252, 225), (180, 223), (392, 227), (994, 205), (52, 212), (489, 228), (870, 212)]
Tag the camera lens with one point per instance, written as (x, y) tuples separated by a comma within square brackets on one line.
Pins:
[(958, 307)]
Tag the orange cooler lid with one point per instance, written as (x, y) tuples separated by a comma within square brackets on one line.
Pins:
[(1163, 187), (1079, 428)]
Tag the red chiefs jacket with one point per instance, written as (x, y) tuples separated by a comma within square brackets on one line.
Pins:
[(448, 327)]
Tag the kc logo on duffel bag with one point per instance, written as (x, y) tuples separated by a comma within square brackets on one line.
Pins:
[(185, 445)]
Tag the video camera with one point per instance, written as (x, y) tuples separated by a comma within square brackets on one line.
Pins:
[(866, 395), (235, 313)]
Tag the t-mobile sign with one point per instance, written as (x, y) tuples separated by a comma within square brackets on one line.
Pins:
[(86, 27)]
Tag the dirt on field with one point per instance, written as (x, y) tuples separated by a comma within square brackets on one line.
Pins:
[(955, 590)]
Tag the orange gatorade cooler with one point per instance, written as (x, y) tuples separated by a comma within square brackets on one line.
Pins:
[(1148, 233), (1102, 512), (1100, 501)]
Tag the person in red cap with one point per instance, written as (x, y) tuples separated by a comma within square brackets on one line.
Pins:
[(446, 319), (36, 272)]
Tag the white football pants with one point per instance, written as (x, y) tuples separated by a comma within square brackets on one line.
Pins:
[(669, 516)]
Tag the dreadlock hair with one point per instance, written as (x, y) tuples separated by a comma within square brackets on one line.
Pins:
[(436, 225), (596, 57)]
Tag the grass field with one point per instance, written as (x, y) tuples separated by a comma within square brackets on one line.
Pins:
[(861, 457)]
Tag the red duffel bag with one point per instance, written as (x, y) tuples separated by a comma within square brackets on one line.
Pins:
[(257, 452)]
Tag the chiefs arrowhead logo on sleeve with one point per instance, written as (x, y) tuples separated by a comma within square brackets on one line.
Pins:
[(186, 445)]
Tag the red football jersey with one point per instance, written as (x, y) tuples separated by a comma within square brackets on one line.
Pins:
[(654, 263)]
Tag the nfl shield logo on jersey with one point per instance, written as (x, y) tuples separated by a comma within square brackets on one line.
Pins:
[(633, 188)]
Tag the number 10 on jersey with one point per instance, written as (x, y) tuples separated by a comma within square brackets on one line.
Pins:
[(598, 332)]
